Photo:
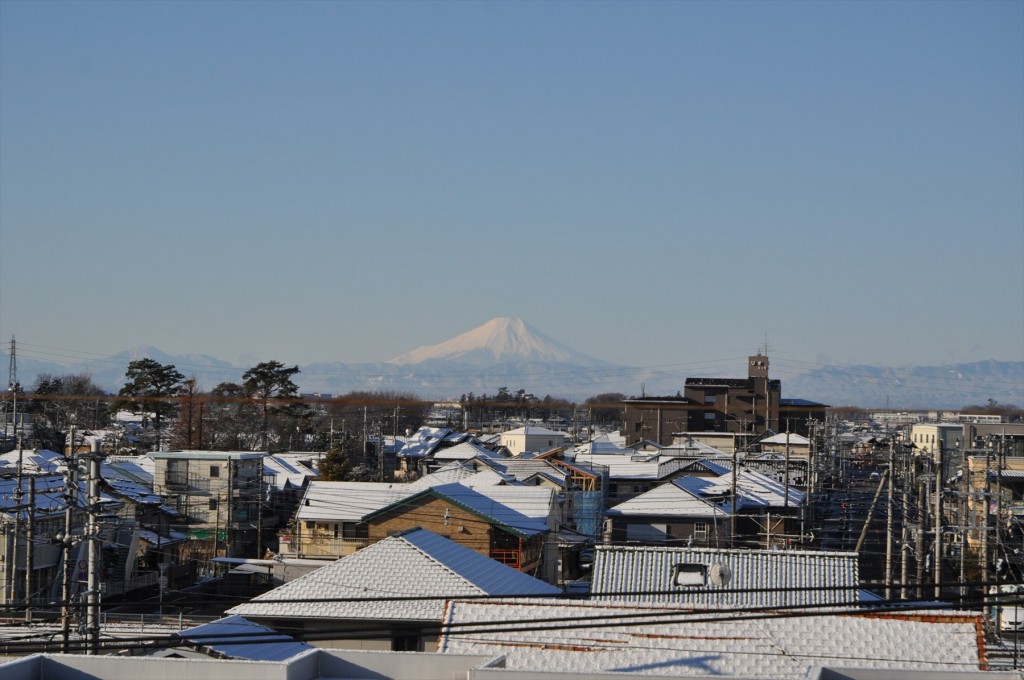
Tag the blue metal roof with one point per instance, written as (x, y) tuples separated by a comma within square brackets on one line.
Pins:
[(272, 646)]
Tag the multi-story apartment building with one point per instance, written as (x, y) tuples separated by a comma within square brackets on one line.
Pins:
[(740, 405), (220, 493)]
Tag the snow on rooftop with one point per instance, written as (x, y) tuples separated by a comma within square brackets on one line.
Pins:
[(695, 644), (414, 564)]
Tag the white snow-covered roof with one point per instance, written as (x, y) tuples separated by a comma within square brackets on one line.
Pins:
[(463, 451), (287, 471), (34, 461), (625, 468), (532, 431), (49, 498), (793, 438), (757, 578), (481, 501), (414, 564), (667, 500), (693, 643), (753, 490), (348, 501)]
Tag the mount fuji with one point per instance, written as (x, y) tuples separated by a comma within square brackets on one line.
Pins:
[(500, 340)]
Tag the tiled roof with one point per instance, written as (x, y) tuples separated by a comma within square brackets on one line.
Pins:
[(650, 571), (415, 564), (272, 646), (781, 647)]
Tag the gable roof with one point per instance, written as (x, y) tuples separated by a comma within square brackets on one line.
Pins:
[(753, 490), (758, 577), (417, 563), (464, 451), (475, 502), (667, 500)]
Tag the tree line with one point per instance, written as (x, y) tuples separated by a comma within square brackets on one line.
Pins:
[(263, 411)]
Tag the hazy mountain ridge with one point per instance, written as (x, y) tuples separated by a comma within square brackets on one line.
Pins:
[(506, 352), (948, 386)]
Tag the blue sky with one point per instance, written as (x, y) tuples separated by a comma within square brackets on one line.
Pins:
[(649, 183)]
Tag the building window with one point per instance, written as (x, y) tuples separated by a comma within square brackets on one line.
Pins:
[(710, 398), (700, 530), (709, 415), (213, 504), (215, 471)]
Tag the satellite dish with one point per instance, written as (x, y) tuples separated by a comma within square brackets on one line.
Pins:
[(719, 574)]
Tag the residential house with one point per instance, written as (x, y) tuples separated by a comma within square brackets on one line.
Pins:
[(360, 596), (668, 514), (471, 518), (632, 475), (531, 438)]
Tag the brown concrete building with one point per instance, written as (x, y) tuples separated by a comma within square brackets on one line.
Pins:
[(740, 405)]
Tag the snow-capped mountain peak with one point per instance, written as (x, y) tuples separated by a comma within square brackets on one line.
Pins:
[(499, 340)]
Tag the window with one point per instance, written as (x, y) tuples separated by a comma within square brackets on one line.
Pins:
[(709, 415), (690, 575), (213, 504), (710, 398), (215, 471), (700, 530)]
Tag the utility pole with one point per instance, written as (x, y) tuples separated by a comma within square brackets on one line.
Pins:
[(12, 562), (919, 554), (70, 498), (732, 516), (29, 539), (92, 612), (259, 515), (938, 531), (785, 503), (889, 518)]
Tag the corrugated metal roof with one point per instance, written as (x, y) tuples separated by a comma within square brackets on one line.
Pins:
[(650, 571)]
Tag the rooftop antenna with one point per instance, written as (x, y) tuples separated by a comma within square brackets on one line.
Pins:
[(763, 351)]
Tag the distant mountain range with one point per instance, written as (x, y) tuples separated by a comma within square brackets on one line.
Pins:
[(507, 352)]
